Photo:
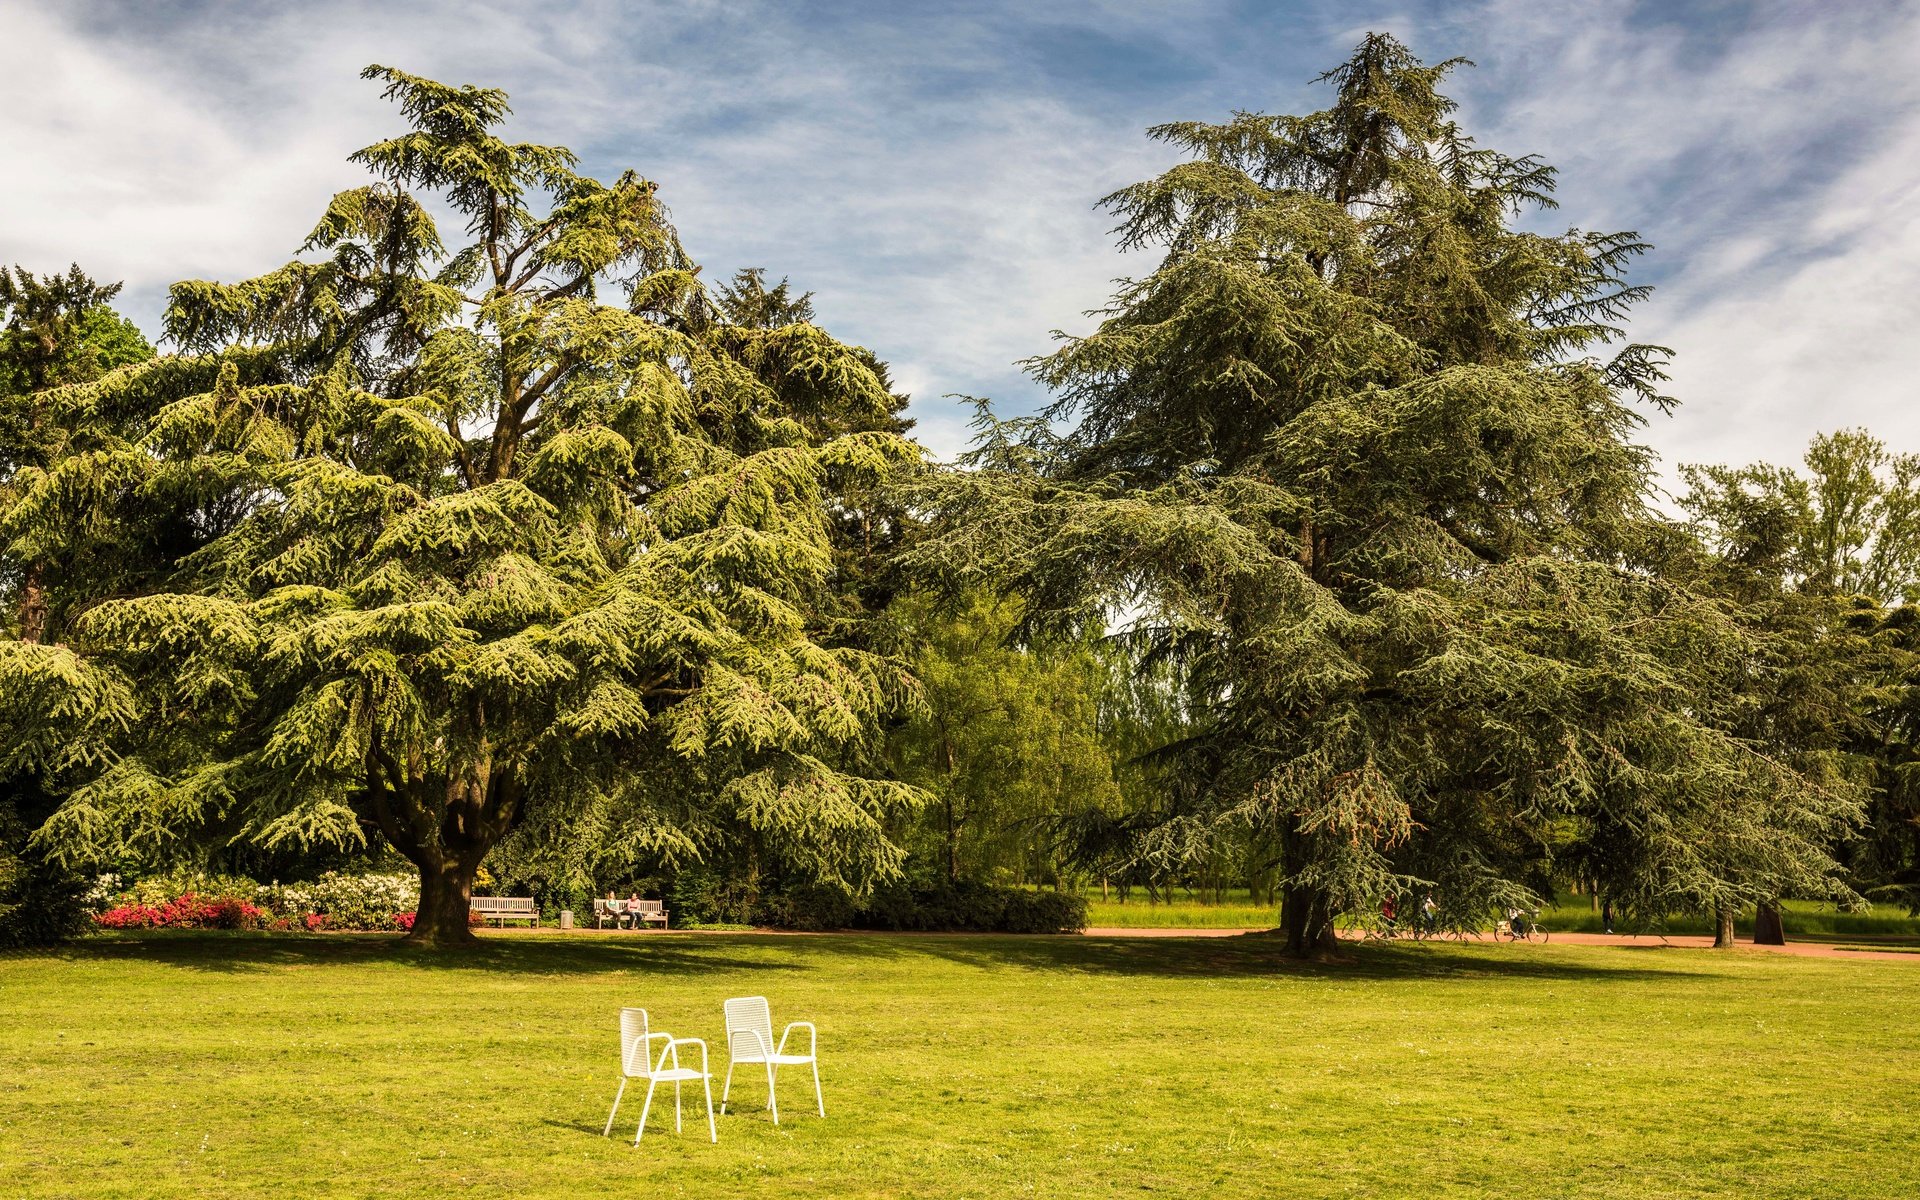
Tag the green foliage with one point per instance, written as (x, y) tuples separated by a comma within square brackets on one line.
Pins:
[(471, 550), (1850, 525), (975, 908), (1008, 743), (1349, 462), (1827, 564), (58, 331), (42, 903)]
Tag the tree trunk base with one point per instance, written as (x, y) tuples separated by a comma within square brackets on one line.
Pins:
[(439, 939), (443, 918), (1723, 929)]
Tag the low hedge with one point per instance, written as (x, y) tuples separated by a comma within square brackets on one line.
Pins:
[(960, 907)]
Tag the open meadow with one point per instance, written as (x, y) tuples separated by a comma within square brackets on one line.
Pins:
[(227, 1065)]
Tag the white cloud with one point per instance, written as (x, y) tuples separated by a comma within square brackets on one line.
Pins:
[(1775, 163), (930, 173)]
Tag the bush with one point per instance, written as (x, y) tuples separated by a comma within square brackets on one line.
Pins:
[(197, 901), (811, 908), (1045, 912), (346, 901), (184, 912), (41, 904), (700, 896), (963, 907)]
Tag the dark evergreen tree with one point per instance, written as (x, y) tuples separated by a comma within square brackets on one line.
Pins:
[(55, 330), (477, 547), (1348, 459)]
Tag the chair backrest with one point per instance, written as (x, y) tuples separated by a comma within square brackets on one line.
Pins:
[(749, 1014), (633, 1031)]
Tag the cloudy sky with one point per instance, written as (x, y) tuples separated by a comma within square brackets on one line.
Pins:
[(929, 169)]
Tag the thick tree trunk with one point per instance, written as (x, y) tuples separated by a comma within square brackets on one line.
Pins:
[(1767, 927), (1723, 929), (446, 899), (1308, 922), (444, 825)]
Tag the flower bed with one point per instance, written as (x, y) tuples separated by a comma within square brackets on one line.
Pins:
[(334, 901), (187, 911)]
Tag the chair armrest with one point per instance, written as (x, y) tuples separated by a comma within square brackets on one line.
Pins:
[(813, 1037), (700, 1042), (733, 1052), (644, 1048)]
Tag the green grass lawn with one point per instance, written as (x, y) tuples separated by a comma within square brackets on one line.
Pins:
[(223, 1065)]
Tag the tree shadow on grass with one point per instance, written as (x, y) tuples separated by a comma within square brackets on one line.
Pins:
[(265, 952), (1257, 955), (1246, 956)]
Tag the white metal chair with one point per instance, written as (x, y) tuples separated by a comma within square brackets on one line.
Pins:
[(750, 1040), (637, 1062)]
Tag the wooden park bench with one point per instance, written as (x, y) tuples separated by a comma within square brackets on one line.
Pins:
[(506, 908), (643, 912)]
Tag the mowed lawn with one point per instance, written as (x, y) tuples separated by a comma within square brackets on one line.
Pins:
[(211, 1065)]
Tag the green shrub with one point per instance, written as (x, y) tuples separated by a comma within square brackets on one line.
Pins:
[(700, 896), (41, 903), (1045, 912), (808, 907), (963, 907), (347, 901)]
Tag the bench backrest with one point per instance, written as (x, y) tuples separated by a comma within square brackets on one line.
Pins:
[(508, 904), (651, 906)]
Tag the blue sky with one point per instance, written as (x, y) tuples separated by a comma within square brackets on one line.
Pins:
[(929, 170)]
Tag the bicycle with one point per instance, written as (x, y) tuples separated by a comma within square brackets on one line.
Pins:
[(1524, 927)]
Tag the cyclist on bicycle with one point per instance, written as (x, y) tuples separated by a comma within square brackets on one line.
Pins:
[(1516, 924)]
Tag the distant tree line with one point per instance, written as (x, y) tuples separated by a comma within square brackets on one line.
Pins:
[(1333, 571)]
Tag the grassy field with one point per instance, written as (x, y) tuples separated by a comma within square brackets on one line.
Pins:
[(226, 1065), (1804, 918)]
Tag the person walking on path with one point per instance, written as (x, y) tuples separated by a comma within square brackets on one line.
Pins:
[(1429, 913), (1606, 914), (1387, 915)]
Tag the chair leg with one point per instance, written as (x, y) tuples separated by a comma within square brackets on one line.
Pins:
[(727, 1090), (713, 1134), (608, 1131), (644, 1109), (818, 1099), (773, 1101), (676, 1106)]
